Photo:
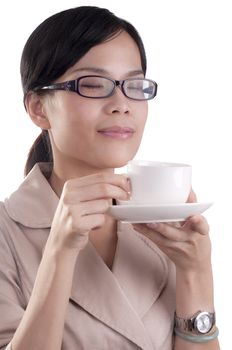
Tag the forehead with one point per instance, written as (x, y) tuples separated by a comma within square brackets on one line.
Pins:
[(118, 55)]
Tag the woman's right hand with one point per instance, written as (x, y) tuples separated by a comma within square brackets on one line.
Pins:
[(82, 207)]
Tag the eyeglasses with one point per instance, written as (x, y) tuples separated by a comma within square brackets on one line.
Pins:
[(94, 86)]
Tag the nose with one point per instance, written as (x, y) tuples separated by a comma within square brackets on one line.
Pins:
[(118, 103)]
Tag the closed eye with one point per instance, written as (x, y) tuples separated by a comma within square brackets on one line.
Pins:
[(92, 86)]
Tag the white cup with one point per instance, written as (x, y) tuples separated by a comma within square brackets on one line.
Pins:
[(158, 182)]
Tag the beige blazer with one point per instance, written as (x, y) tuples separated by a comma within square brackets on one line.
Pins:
[(130, 307)]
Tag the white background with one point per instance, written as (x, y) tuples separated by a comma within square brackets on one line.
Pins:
[(188, 46)]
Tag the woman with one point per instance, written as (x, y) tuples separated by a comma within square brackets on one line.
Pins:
[(71, 276)]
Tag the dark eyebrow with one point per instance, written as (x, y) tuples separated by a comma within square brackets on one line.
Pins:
[(97, 70)]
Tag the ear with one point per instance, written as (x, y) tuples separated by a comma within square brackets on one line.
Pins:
[(35, 108)]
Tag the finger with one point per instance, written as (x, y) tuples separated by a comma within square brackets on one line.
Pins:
[(154, 236), (113, 179), (166, 231), (198, 224), (177, 224), (89, 222), (169, 231), (94, 192), (94, 207), (192, 198)]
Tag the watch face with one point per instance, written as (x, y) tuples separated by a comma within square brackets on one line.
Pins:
[(203, 322)]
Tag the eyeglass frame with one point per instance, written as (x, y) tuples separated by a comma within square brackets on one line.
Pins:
[(73, 85)]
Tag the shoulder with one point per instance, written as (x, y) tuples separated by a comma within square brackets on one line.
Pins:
[(6, 222), (34, 203), (8, 229), (7, 249)]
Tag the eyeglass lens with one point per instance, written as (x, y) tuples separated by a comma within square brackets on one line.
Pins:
[(140, 89)]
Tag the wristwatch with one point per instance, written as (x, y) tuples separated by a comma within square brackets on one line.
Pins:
[(202, 322)]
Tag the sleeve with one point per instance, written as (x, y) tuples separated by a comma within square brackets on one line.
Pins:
[(12, 304)]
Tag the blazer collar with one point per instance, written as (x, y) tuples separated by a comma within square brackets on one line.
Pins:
[(139, 271), (34, 203)]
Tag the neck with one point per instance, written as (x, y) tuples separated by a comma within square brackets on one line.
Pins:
[(104, 240)]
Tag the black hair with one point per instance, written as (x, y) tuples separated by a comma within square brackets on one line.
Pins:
[(56, 45)]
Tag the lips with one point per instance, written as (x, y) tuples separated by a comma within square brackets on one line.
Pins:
[(117, 132)]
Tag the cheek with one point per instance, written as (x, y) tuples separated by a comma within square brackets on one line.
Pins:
[(64, 112), (72, 125), (141, 113)]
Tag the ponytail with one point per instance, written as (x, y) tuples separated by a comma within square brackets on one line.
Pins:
[(41, 151)]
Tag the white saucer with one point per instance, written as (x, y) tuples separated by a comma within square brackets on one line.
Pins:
[(157, 213)]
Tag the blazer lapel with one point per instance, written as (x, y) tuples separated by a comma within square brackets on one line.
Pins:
[(120, 297), (140, 268)]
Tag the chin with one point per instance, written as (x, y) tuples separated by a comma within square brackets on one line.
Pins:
[(117, 161), (116, 156)]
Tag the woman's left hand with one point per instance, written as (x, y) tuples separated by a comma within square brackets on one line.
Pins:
[(187, 245)]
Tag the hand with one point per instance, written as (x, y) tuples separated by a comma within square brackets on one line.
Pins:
[(82, 207), (187, 245)]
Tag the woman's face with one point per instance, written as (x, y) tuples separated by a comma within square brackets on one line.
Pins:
[(98, 133)]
